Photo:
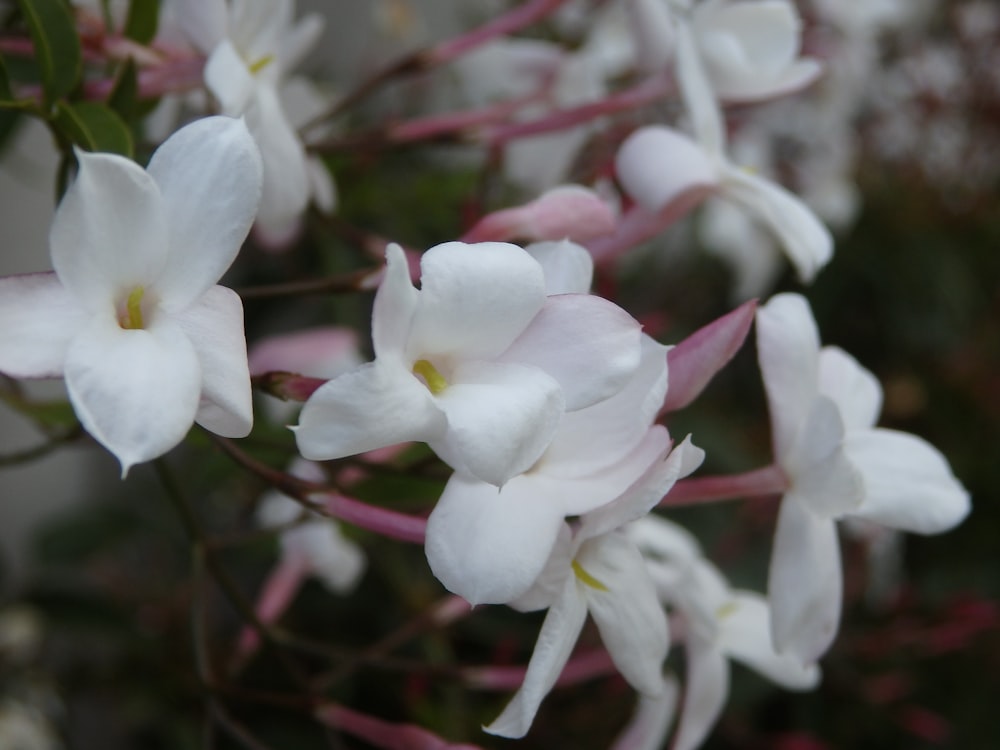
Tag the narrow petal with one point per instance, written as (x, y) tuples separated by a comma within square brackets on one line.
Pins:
[(706, 690), (300, 40), (372, 407), (656, 165), (652, 30), (697, 92), (798, 75), (908, 484), (628, 614), (501, 417), (395, 305), (854, 390), (209, 173), (745, 634), (488, 545), (475, 300), (552, 650), (135, 391), (568, 267), (788, 353), (229, 79), (804, 584), (109, 233), (38, 319), (589, 345), (204, 22), (648, 727), (214, 326)]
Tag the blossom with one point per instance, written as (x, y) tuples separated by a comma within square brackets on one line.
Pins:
[(132, 317), (479, 363), (824, 406)]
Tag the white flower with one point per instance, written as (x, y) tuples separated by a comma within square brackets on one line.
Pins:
[(824, 406), (132, 317), (479, 363)]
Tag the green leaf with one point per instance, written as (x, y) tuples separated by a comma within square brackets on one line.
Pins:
[(6, 93), (57, 47), (123, 96), (143, 15), (95, 127)]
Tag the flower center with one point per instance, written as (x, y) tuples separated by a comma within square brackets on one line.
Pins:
[(433, 379), (131, 317), (585, 578), (259, 65)]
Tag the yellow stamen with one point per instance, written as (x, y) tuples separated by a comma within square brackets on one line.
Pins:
[(262, 63), (435, 380), (725, 610), (586, 578), (133, 306)]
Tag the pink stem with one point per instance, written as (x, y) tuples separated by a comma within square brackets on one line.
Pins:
[(581, 668), (435, 125), (381, 733), (277, 593), (516, 19), (770, 480), (388, 523)]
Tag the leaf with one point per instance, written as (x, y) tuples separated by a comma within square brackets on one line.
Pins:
[(143, 16), (95, 127), (6, 93), (57, 47), (122, 98)]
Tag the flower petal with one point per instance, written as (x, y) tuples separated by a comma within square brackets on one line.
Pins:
[(656, 165), (908, 484), (475, 300), (568, 267), (300, 40), (647, 729), (589, 345), (555, 643), (228, 78), (372, 407), (705, 693), (854, 390), (209, 173), (501, 418), (214, 326), (204, 22), (395, 305), (804, 584), (697, 92), (136, 391), (109, 233), (488, 545), (38, 319)]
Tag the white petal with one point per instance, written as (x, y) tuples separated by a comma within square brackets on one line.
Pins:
[(907, 482), (656, 165), (258, 26), (705, 694), (647, 729), (568, 267), (552, 650), (854, 390), (229, 79), (589, 345), (109, 233), (488, 545), (697, 93), (300, 40), (372, 407), (804, 584), (501, 417), (475, 300), (214, 325), (547, 587), (38, 319), (652, 31), (204, 22), (788, 353), (745, 634), (395, 305), (797, 76), (628, 613), (322, 188), (209, 173), (135, 391)]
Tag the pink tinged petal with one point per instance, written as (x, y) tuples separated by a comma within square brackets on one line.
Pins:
[(568, 267), (555, 643), (323, 352), (908, 484), (204, 22), (229, 79), (706, 690), (488, 545), (657, 165), (214, 326), (135, 391), (501, 417), (805, 240), (804, 584), (209, 173), (38, 320), (565, 212), (589, 345), (854, 390), (745, 635), (475, 300), (695, 360), (788, 353), (109, 232), (395, 305), (647, 729), (372, 407), (628, 614)]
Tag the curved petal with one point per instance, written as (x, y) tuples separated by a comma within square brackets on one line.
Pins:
[(501, 418), (552, 650), (656, 165), (135, 391), (109, 233), (749, 89), (908, 484), (545, 590), (648, 727), (804, 584), (395, 305), (697, 92), (568, 267), (490, 546), (628, 614), (372, 407), (229, 79), (705, 693), (209, 173), (854, 390), (38, 320), (475, 300), (589, 345), (300, 40), (214, 326)]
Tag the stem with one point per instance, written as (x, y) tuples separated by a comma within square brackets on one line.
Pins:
[(381, 733), (356, 281), (770, 480), (581, 668)]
